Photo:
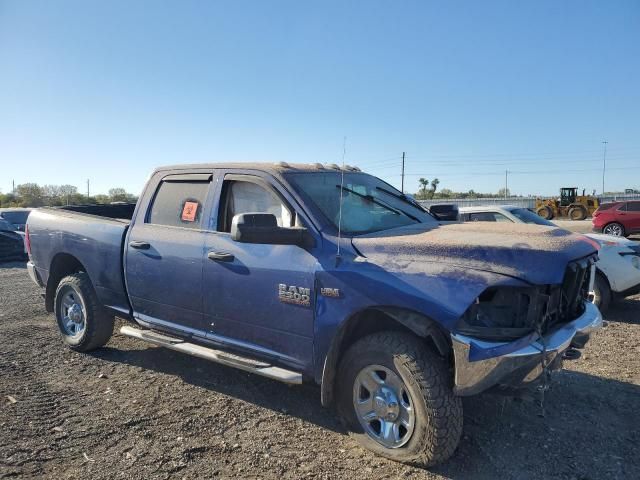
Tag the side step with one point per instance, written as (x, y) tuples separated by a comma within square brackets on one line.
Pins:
[(218, 356)]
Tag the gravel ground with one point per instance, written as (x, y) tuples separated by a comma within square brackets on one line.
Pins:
[(132, 410)]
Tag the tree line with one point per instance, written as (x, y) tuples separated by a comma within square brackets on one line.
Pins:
[(428, 190), (34, 195)]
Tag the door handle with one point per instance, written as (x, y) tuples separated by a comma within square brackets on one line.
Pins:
[(140, 245), (221, 256)]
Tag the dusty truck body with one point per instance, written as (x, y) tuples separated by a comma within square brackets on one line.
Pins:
[(307, 273)]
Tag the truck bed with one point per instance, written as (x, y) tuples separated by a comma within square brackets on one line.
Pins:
[(59, 237)]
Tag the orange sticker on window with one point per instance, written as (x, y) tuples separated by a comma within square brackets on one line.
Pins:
[(189, 211)]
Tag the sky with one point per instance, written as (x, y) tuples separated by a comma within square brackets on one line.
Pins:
[(108, 91)]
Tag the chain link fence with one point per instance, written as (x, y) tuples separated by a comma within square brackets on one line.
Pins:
[(525, 202)]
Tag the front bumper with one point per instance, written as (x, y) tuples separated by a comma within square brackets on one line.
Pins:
[(481, 364)]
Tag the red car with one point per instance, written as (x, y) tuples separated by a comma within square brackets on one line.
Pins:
[(619, 218)]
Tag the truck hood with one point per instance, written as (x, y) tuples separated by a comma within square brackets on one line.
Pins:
[(533, 253)]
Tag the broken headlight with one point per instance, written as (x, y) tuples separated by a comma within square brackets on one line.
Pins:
[(504, 313)]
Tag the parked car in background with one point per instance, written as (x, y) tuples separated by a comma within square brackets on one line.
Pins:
[(618, 267), (447, 212), (16, 216), (12, 245), (620, 219)]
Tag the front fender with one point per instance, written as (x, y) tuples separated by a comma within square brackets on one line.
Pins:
[(438, 293)]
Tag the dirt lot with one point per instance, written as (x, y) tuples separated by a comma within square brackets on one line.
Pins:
[(135, 411)]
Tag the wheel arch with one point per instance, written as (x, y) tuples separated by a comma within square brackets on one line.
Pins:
[(605, 277), (62, 264), (375, 319)]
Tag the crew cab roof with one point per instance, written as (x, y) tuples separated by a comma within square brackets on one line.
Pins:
[(273, 168)]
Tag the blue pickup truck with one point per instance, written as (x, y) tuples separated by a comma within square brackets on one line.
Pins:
[(324, 274)]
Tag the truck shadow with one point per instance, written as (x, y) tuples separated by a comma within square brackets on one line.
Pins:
[(589, 421), (589, 430), (302, 401), (624, 310)]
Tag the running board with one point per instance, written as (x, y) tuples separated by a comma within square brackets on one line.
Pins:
[(218, 356)]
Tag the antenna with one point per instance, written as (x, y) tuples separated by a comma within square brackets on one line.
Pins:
[(344, 153)]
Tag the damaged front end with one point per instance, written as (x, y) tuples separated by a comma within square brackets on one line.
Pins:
[(510, 336)]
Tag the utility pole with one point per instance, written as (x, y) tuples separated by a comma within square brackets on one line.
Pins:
[(88, 191), (506, 183), (604, 163), (13, 187), (402, 182)]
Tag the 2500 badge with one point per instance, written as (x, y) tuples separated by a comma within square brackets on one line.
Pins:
[(295, 295)]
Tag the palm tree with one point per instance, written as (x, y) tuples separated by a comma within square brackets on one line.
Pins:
[(434, 186), (424, 183)]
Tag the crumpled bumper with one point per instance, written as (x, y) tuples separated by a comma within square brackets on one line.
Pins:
[(481, 364)]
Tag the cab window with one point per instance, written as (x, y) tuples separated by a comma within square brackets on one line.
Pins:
[(243, 196), (179, 204), (487, 217)]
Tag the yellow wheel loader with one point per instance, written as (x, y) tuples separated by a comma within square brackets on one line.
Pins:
[(570, 204)]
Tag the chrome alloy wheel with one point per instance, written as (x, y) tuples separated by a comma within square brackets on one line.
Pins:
[(383, 406), (613, 229), (72, 314)]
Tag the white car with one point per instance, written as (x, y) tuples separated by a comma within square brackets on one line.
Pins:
[(618, 267)]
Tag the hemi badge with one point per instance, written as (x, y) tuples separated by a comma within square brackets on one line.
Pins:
[(330, 292)]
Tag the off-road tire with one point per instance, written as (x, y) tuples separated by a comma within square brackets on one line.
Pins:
[(545, 212), (438, 422), (602, 290), (578, 213), (99, 324)]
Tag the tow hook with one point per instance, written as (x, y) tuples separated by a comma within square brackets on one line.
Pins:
[(571, 354)]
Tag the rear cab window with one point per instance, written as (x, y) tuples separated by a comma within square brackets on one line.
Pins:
[(179, 201)]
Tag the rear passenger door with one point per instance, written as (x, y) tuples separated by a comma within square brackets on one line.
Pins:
[(164, 253)]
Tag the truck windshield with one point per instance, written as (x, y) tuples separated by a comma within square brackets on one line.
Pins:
[(527, 216), (368, 203)]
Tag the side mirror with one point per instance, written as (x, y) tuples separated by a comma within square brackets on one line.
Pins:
[(263, 228), (445, 212)]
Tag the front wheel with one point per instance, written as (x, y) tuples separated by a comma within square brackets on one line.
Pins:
[(396, 395), (601, 293), (83, 323), (578, 213), (545, 212)]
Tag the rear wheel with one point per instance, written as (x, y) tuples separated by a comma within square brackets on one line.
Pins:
[(396, 396), (614, 229), (545, 212), (82, 321)]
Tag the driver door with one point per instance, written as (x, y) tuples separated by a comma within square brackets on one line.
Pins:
[(242, 303)]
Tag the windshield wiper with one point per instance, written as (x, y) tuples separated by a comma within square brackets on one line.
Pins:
[(402, 197), (384, 205)]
